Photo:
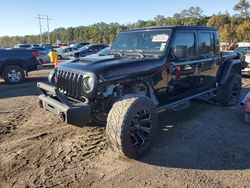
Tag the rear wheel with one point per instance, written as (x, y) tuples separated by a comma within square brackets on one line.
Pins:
[(229, 93), (131, 125), (40, 61), (59, 57), (13, 74)]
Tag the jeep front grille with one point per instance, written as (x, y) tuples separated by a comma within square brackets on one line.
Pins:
[(70, 83)]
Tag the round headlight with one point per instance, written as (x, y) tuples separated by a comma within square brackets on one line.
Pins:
[(88, 84)]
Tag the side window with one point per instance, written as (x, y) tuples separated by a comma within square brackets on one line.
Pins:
[(185, 39), (102, 47), (95, 48), (64, 51), (98, 48), (207, 43)]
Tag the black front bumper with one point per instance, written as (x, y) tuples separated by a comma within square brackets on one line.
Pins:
[(70, 111)]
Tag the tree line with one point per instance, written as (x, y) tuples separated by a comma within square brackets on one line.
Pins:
[(232, 28)]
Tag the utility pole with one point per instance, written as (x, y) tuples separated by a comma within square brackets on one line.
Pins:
[(48, 29), (40, 27), (43, 17)]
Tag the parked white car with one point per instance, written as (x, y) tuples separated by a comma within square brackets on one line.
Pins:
[(246, 71), (65, 52)]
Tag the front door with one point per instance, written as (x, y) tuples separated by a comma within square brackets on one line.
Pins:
[(183, 73)]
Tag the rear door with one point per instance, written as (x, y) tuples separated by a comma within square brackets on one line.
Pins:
[(68, 51), (209, 58)]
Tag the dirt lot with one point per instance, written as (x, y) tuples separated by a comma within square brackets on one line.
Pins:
[(203, 146)]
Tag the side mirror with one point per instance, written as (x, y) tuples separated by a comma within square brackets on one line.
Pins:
[(180, 52)]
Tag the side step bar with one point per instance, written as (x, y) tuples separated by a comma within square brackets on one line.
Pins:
[(185, 103)]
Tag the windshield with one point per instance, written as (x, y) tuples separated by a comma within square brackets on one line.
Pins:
[(84, 47), (103, 52), (147, 42)]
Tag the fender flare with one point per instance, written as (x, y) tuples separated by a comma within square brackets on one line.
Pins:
[(11, 63), (146, 81), (227, 68)]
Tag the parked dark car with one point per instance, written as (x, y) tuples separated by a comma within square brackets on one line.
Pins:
[(23, 46), (16, 63), (103, 52), (79, 45), (88, 50), (47, 46), (153, 70)]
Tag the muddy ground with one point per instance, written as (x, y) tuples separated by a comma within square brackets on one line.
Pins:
[(204, 146)]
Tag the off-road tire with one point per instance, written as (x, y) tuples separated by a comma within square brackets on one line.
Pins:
[(119, 121), (16, 68), (225, 91)]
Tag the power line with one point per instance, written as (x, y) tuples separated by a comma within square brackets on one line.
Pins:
[(43, 17)]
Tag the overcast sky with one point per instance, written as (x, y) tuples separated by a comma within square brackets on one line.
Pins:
[(17, 17)]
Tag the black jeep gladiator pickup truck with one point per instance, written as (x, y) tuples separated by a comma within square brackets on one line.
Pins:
[(152, 70), (16, 63)]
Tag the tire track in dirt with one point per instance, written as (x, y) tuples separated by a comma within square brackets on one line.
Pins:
[(40, 151), (14, 119)]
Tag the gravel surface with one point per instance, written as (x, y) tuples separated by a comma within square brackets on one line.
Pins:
[(204, 146)]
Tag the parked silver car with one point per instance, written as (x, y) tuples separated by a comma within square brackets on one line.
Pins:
[(43, 58), (65, 52)]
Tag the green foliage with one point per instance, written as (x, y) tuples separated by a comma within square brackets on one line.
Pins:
[(232, 28), (243, 7), (243, 31)]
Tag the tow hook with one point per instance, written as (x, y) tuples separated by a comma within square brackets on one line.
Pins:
[(40, 103), (62, 116)]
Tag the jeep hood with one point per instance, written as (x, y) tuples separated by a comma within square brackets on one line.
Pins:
[(109, 67)]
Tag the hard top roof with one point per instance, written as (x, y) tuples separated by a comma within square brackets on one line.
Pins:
[(173, 28)]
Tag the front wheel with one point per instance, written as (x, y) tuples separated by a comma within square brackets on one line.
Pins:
[(13, 74), (229, 93), (131, 125)]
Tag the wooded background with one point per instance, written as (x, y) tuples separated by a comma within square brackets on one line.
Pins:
[(233, 28)]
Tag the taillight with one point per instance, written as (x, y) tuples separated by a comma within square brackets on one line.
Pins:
[(36, 54), (247, 103)]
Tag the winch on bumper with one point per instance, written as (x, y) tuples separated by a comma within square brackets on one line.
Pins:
[(71, 111)]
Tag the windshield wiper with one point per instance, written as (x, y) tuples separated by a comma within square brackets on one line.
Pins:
[(116, 52), (139, 52)]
